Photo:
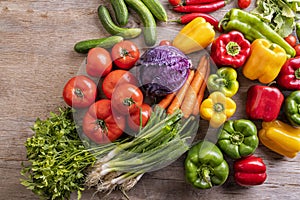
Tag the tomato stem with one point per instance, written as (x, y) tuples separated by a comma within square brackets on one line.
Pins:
[(78, 92), (128, 101), (101, 124)]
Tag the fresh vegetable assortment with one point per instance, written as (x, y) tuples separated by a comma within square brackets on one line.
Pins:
[(138, 110)]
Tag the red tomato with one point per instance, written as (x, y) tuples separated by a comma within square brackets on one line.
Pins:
[(297, 49), (115, 78), (100, 125), (291, 39), (165, 42), (125, 54), (80, 92), (175, 2), (125, 97), (244, 3), (98, 62), (133, 120)]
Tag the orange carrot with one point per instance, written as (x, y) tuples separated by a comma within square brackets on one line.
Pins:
[(190, 98), (180, 94), (165, 102), (201, 93)]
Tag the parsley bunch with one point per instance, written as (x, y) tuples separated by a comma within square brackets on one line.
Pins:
[(57, 157)]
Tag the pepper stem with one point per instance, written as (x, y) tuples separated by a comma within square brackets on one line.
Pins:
[(237, 138), (205, 174), (218, 107), (297, 73), (233, 48)]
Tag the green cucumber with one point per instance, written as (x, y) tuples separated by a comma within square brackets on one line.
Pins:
[(121, 11), (112, 28), (107, 42), (147, 18), (156, 9)]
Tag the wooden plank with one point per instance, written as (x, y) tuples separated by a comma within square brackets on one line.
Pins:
[(37, 58)]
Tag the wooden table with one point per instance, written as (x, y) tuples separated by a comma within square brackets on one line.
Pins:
[(36, 60)]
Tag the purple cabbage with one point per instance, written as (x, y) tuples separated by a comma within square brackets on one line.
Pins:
[(163, 70)]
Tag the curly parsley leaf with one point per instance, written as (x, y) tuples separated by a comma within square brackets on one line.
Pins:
[(57, 158)]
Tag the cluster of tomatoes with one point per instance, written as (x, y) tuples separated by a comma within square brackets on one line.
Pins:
[(114, 102), (292, 40)]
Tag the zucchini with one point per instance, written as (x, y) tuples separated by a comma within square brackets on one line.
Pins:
[(107, 42), (112, 28), (121, 11), (156, 9), (147, 18)]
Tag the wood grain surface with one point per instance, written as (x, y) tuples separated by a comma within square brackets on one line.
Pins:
[(37, 59)]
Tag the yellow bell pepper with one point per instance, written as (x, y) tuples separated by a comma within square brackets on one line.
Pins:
[(280, 137), (265, 61), (217, 108), (194, 36)]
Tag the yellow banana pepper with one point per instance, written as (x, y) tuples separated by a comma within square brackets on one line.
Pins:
[(280, 137), (265, 61), (194, 36), (217, 108)]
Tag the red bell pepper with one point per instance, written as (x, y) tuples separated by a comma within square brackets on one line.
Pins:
[(230, 49), (250, 171), (263, 102), (289, 76)]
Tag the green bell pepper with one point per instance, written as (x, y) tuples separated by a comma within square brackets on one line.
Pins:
[(224, 80), (292, 108), (238, 138), (205, 166)]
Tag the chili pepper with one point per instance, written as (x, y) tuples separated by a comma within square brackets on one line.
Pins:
[(190, 2), (250, 171), (217, 108), (289, 76), (194, 36), (263, 102), (184, 19), (280, 138), (202, 8), (253, 28), (205, 166), (292, 108), (224, 80), (230, 49), (265, 61), (238, 138)]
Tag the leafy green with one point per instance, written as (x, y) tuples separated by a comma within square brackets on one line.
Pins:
[(57, 158), (279, 14)]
